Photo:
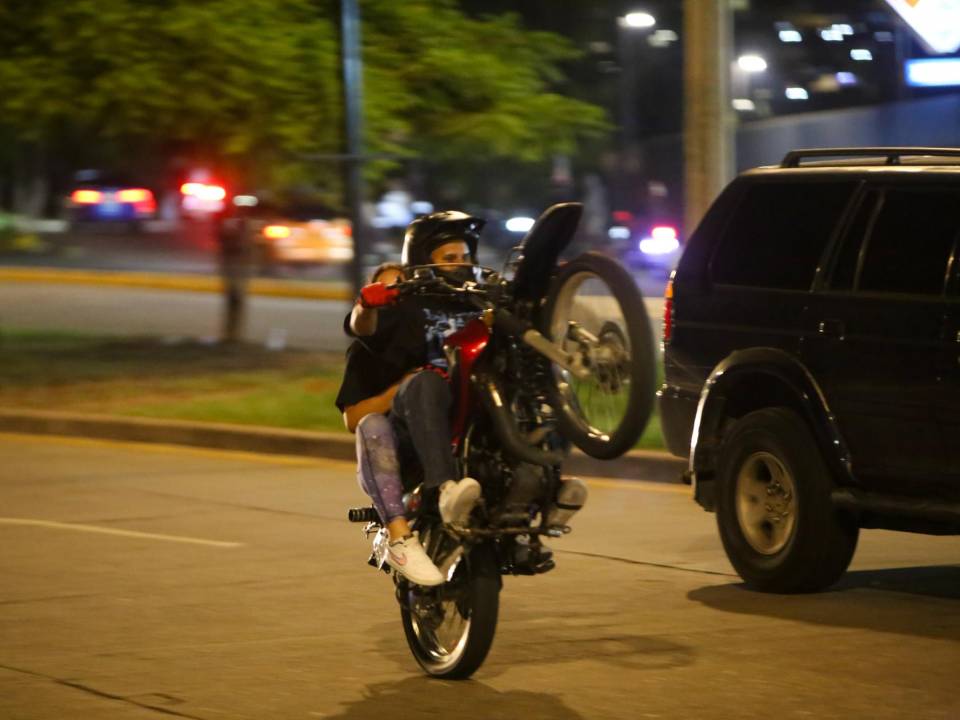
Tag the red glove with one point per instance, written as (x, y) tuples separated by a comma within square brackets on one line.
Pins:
[(377, 295)]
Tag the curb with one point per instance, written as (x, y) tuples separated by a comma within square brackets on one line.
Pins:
[(176, 282), (649, 465)]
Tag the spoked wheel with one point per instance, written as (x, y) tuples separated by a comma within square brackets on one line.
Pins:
[(450, 628), (595, 312)]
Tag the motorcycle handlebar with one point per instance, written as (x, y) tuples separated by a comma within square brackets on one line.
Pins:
[(425, 281)]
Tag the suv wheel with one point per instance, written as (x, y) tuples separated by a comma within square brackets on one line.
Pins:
[(777, 523)]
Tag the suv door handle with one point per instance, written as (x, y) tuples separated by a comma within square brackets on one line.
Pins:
[(832, 328)]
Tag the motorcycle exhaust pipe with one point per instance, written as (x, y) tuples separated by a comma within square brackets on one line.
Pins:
[(506, 430)]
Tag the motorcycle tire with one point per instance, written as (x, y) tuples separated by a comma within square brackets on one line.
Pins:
[(477, 605), (604, 414)]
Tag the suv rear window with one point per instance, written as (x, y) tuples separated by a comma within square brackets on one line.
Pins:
[(778, 233), (911, 241)]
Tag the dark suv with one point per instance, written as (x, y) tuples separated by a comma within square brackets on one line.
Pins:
[(812, 358)]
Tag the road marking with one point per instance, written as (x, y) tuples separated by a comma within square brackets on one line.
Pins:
[(114, 531), (266, 458)]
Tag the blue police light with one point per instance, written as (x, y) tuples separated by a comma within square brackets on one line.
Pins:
[(662, 241)]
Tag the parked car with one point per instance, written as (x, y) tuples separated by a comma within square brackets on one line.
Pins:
[(98, 197), (303, 235), (812, 358)]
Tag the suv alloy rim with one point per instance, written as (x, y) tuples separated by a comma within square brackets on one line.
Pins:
[(765, 501)]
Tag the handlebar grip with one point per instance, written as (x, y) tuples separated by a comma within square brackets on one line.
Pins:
[(363, 515)]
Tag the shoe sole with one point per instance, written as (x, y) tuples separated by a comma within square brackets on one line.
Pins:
[(462, 514)]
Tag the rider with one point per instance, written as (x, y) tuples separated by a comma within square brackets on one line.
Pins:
[(403, 344)]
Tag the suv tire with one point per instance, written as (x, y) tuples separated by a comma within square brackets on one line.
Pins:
[(777, 522)]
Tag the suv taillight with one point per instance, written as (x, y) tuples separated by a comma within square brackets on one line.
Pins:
[(668, 312)]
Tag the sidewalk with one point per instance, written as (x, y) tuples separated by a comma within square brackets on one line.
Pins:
[(647, 465)]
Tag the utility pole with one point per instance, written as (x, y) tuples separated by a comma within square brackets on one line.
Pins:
[(708, 139), (353, 122)]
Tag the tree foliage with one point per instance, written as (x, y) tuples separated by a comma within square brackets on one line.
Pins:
[(256, 85)]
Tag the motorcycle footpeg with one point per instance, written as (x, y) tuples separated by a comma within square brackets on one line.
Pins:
[(372, 562), (544, 566), (363, 515)]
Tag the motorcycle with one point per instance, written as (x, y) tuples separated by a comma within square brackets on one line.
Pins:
[(560, 354)]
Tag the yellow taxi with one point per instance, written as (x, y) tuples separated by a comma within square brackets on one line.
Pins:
[(301, 239)]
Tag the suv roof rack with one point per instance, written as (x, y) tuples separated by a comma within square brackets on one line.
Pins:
[(892, 154)]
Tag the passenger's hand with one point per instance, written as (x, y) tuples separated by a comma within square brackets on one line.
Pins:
[(377, 295)]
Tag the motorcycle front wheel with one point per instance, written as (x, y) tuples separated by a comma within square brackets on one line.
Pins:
[(450, 628), (595, 312)]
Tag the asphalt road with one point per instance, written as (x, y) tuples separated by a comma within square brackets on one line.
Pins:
[(308, 324), (140, 582)]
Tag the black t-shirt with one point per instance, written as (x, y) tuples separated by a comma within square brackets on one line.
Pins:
[(409, 335), (364, 376)]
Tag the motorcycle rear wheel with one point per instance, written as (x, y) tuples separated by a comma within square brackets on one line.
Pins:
[(595, 309), (450, 629)]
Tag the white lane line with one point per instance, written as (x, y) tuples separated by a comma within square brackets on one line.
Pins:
[(114, 531)]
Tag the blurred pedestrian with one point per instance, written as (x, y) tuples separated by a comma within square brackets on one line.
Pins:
[(234, 234)]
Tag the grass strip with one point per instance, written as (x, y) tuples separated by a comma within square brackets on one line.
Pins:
[(179, 380)]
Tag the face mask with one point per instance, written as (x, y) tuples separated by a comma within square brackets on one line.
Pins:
[(458, 275)]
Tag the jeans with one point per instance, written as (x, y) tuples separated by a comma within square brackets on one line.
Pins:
[(421, 418)]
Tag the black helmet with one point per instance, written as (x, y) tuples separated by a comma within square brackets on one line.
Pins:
[(427, 233)]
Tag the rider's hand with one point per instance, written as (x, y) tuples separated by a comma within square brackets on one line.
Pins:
[(377, 295)]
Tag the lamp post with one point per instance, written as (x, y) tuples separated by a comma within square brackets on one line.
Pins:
[(708, 126), (353, 126), (627, 27)]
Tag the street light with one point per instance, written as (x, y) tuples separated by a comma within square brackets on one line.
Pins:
[(638, 20), (751, 63), (627, 27), (741, 79)]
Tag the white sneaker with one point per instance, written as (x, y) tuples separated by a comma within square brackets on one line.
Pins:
[(408, 558), (457, 500)]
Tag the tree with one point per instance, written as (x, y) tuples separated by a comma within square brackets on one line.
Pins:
[(253, 85)]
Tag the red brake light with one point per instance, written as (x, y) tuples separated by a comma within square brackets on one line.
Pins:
[(204, 191), (213, 192), (134, 195), (668, 313), (86, 197)]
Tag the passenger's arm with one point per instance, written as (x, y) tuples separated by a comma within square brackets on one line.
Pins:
[(363, 317), (353, 414), (363, 320)]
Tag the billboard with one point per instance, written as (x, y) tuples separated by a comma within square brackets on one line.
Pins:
[(936, 22)]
